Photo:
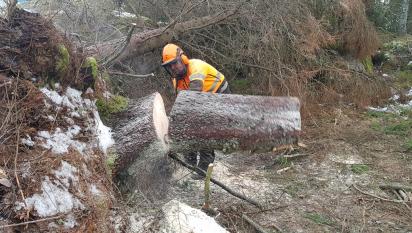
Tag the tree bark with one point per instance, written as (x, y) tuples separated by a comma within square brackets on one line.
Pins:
[(231, 122), (142, 166), (403, 18), (142, 131), (143, 42)]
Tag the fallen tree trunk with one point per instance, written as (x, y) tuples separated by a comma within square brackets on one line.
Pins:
[(141, 43), (232, 122), (142, 131)]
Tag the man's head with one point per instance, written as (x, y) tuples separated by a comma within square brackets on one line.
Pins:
[(174, 61)]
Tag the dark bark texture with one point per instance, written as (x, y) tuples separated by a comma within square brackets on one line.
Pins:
[(141, 131)]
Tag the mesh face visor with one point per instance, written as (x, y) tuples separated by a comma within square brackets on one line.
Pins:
[(168, 67), (172, 67)]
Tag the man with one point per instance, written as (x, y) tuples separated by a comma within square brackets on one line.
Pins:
[(194, 75)]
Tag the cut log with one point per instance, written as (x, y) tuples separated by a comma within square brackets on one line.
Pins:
[(232, 122), (142, 131)]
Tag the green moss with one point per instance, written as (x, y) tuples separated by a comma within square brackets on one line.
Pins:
[(402, 128), (114, 104), (359, 168), (376, 114), (111, 161), (91, 63), (293, 189), (63, 59), (404, 79), (397, 46), (408, 145), (319, 219), (367, 63)]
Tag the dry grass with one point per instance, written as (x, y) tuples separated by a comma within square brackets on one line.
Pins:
[(359, 37)]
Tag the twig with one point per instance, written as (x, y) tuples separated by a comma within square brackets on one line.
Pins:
[(372, 195), (16, 154), (396, 187), (30, 222), (257, 227), (283, 170), (179, 16), (132, 75), (218, 183), (403, 195), (127, 41), (280, 158)]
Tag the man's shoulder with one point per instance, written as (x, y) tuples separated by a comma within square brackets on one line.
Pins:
[(197, 62)]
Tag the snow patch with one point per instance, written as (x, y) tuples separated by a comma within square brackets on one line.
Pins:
[(93, 189), (181, 218), (60, 141), (70, 222), (52, 95), (54, 199), (123, 14), (27, 141), (66, 174), (104, 133)]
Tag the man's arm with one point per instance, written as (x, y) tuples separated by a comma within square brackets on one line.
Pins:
[(196, 82)]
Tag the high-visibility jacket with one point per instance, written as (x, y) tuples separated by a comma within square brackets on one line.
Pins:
[(202, 77)]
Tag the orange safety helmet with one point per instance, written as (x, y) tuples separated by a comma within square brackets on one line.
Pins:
[(171, 53)]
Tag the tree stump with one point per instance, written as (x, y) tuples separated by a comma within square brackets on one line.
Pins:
[(140, 138), (232, 122)]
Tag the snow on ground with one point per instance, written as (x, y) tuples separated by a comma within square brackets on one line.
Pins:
[(66, 174), (104, 133), (123, 14), (181, 218), (54, 199), (60, 141), (56, 194), (395, 108)]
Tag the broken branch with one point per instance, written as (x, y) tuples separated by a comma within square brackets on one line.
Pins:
[(30, 222), (257, 227), (218, 183), (206, 205), (127, 41), (132, 75), (396, 187), (372, 195)]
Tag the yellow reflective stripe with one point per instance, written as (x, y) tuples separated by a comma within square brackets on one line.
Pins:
[(194, 79), (197, 77), (224, 87), (217, 79)]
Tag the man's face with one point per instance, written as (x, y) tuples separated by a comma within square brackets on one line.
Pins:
[(176, 68)]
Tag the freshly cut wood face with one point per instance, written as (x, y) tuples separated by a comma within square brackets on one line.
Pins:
[(160, 120)]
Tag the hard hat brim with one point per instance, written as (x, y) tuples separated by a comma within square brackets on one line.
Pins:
[(169, 62)]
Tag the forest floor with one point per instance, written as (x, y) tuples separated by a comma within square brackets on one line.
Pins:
[(334, 187)]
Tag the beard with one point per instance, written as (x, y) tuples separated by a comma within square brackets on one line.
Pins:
[(181, 73)]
